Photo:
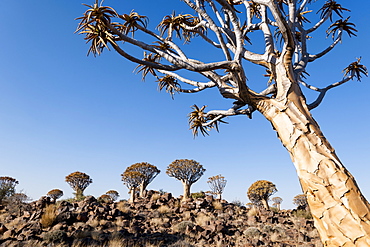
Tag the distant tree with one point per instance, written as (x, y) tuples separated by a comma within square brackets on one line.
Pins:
[(113, 194), (260, 191), (55, 194), (277, 202), (217, 184), (17, 203), (105, 198), (149, 173), (78, 181), (132, 179), (187, 171), (301, 201), (7, 187)]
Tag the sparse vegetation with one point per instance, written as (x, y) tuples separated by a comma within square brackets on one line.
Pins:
[(48, 217)]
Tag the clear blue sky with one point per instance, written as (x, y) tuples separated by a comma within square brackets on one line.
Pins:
[(61, 111)]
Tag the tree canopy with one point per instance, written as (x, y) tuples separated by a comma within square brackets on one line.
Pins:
[(78, 181), (261, 191)]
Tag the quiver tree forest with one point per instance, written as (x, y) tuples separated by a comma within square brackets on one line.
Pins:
[(340, 211)]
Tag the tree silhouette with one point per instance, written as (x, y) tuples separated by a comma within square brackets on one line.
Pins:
[(113, 194), (78, 181), (286, 33), (217, 185), (7, 187), (55, 194), (132, 179), (260, 191), (187, 171), (148, 171), (300, 201)]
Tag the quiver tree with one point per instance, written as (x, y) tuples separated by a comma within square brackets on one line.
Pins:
[(7, 187), (260, 192), (113, 194), (277, 202), (340, 211), (300, 201), (187, 171), (132, 179), (55, 194), (148, 171), (217, 185), (78, 181)]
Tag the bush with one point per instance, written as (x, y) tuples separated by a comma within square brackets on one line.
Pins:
[(252, 232), (301, 213), (196, 195), (181, 227), (57, 236), (48, 217)]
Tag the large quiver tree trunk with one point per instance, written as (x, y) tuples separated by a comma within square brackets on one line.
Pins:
[(340, 212)]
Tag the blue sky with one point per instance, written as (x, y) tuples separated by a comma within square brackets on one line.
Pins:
[(61, 111)]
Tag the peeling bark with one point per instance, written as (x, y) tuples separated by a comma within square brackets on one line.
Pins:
[(340, 212)]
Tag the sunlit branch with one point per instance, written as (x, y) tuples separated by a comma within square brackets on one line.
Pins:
[(318, 24), (212, 26), (328, 49), (173, 45), (323, 91)]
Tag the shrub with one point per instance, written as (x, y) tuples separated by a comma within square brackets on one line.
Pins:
[(196, 195), (217, 205), (252, 232), (57, 236), (155, 197), (181, 227), (163, 210), (237, 203), (301, 213), (48, 217), (254, 211)]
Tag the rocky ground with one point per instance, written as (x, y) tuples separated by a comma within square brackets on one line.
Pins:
[(157, 220)]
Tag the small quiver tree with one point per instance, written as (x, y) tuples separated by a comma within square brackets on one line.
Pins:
[(7, 187), (132, 179), (78, 181), (277, 202), (217, 185), (301, 201), (105, 199), (113, 194), (148, 171), (260, 191), (55, 194), (187, 171)]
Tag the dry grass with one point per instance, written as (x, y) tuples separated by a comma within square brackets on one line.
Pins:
[(164, 209), (124, 207), (217, 205), (159, 221), (49, 215), (155, 197), (202, 219), (253, 212)]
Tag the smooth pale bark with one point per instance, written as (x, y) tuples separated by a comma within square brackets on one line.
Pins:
[(132, 195), (142, 192), (341, 213), (219, 197), (186, 191)]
